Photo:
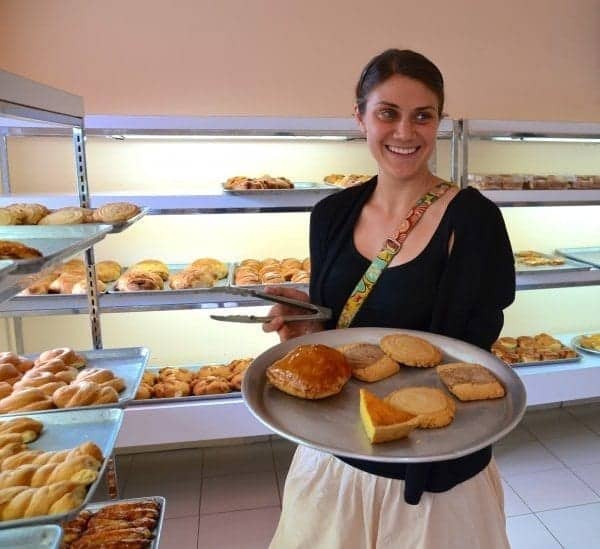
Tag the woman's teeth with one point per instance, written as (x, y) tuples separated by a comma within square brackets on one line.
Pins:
[(401, 150)]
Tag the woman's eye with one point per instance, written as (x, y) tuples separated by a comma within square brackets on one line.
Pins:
[(386, 114), (423, 116)]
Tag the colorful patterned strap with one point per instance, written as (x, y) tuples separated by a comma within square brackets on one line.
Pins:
[(390, 249)]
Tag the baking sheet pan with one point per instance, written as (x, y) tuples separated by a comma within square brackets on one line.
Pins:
[(568, 265), (192, 368), (297, 285), (44, 536), (69, 429), (55, 242), (545, 362), (127, 363), (120, 227), (299, 186), (576, 342), (589, 255), (94, 507), (333, 424)]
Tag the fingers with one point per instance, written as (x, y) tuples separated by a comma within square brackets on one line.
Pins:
[(274, 325), (292, 293)]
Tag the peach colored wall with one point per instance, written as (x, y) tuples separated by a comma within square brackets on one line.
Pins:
[(534, 59)]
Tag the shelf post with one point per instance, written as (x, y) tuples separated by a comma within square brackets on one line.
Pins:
[(463, 131), (4, 164), (90, 264), (454, 153)]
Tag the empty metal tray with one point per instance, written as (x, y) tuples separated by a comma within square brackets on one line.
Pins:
[(45, 536)]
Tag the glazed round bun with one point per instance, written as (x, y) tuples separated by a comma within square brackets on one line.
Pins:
[(310, 371)]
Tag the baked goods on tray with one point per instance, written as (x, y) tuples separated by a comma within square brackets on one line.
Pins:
[(411, 350), (590, 341), (11, 249), (121, 524), (272, 271), (264, 182), (433, 407), (310, 371), (346, 180), (531, 258), (383, 422), (174, 382), (54, 381), (470, 381), (524, 349), (368, 362), (533, 181)]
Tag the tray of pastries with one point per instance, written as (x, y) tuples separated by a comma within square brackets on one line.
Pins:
[(589, 255), (589, 343), (135, 522), (344, 181), (61, 379), (533, 350), (50, 465), (533, 261), (384, 395), (45, 536), (205, 382), (240, 184), (119, 215), (264, 272), (534, 182)]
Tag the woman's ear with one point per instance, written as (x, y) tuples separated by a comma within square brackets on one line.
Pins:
[(359, 120)]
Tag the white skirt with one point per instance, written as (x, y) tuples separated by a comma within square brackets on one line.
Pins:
[(330, 505)]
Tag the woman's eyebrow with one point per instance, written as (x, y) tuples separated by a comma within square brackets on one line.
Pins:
[(389, 104)]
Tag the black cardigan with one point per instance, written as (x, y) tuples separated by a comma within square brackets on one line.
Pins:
[(478, 282)]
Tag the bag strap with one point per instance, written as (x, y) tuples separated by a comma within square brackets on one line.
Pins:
[(390, 249)]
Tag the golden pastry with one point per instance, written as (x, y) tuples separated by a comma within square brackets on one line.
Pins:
[(27, 214), (470, 381), (31, 399), (5, 389), (383, 422), (310, 371), (368, 362), (144, 392), (67, 355), (66, 216), (9, 373), (6, 217), (306, 265), (192, 278), (10, 358), (301, 277), (139, 281), (84, 393), (11, 249), (433, 407), (153, 266), (170, 389), (218, 268), (28, 428), (211, 385), (179, 374), (116, 212), (108, 271), (508, 342), (150, 378), (526, 342), (64, 283), (239, 365), (411, 350), (101, 376), (73, 266), (235, 382), (81, 287), (220, 370)]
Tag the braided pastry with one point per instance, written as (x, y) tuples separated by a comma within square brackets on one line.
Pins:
[(68, 356), (101, 376), (44, 381), (9, 373), (84, 393), (28, 428), (39, 458), (5, 389), (81, 469), (11, 449), (27, 400)]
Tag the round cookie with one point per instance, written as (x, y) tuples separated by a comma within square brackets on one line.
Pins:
[(433, 407), (410, 350)]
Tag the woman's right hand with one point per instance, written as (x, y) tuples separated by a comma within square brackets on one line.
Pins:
[(289, 330)]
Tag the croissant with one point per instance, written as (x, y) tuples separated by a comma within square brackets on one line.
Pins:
[(28, 428), (81, 469), (193, 278), (137, 281), (102, 377), (83, 393), (30, 399), (24, 502)]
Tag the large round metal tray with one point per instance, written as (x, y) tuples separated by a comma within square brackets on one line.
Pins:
[(576, 342), (333, 424)]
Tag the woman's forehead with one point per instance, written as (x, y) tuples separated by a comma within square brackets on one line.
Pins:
[(403, 91)]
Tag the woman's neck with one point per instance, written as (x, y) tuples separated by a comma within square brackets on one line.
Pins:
[(391, 195)]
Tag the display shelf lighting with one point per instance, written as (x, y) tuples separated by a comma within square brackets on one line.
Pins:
[(539, 139), (180, 137)]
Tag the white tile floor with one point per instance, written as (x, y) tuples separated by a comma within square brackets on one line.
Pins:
[(230, 497)]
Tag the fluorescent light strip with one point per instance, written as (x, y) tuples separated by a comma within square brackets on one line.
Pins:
[(549, 139), (231, 137)]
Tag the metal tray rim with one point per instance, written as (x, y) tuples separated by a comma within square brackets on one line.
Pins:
[(310, 186), (576, 344), (572, 253), (256, 370), (54, 531)]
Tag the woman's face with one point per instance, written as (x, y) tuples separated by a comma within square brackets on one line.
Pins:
[(400, 122)]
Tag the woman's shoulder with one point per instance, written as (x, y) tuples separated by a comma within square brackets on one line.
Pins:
[(470, 206)]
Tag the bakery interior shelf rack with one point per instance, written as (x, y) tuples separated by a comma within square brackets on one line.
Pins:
[(226, 418)]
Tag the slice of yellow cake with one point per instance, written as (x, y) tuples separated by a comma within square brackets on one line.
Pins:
[(383, 422)]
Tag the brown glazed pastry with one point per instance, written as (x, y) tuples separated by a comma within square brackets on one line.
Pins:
[(144, 392), (84, 393), (177, 374), (65, 354), (108, 271), (66, 216), (211, 385), (149, 378), (218, 268), (138, 281), (10, 358), (192, 278), (24, 401), (310, 371), (101, 376), (9, 373), (235, 383), (169, 389), (115, 212), (73, 266), (10, 249), (5, 389), (219, 370)]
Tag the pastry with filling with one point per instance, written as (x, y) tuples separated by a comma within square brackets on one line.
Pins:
[(153, 266), (310, 371), (368, 362), (470, 381), (411, 350), (433, 407), (383, 422)]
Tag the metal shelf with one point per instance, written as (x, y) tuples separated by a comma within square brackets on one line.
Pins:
[(557, 279), (572, 197)]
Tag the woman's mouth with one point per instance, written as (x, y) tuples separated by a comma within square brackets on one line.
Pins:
[(402, 151)]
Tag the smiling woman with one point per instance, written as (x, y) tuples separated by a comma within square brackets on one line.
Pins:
[(446, 267)]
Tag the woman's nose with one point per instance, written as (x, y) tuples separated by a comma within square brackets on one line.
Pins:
[(404, 129)]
